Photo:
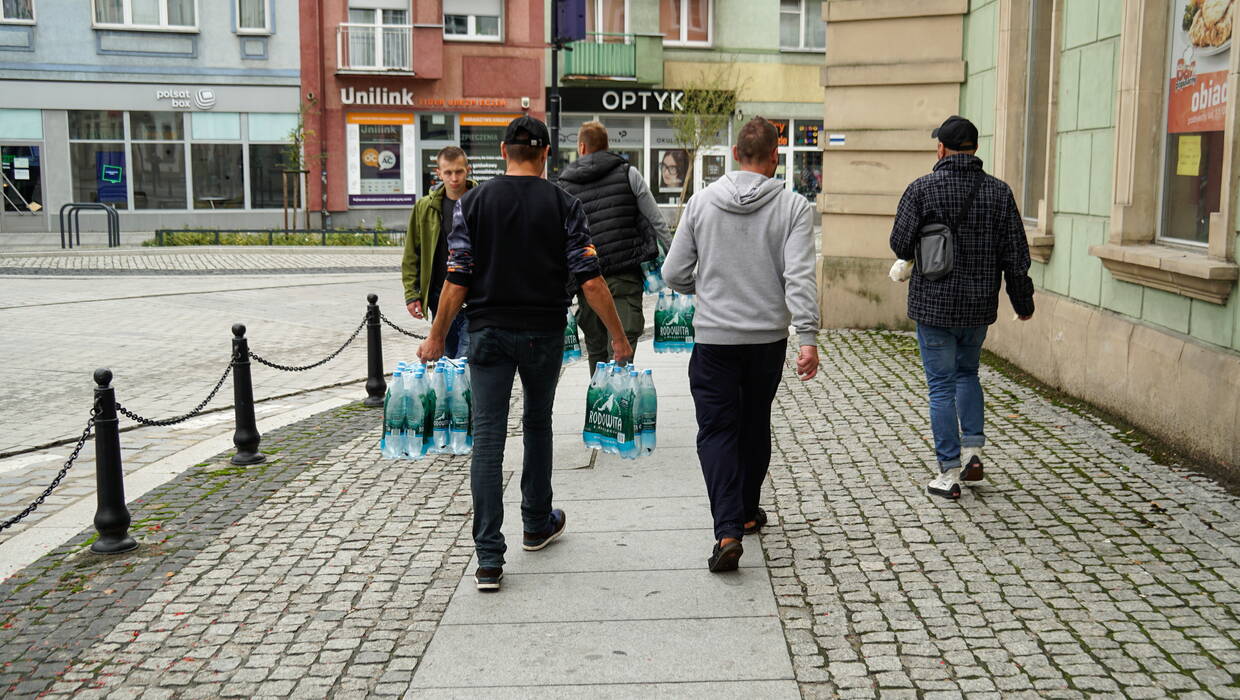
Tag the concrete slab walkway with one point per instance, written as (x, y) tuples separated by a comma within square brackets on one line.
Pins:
[(622, 605)]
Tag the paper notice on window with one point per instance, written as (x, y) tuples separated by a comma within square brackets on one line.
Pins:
[(21, 163), (1189, 163), (21, 174)]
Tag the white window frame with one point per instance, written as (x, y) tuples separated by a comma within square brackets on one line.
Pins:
[(802, 26), (265, 30), (684, 27), (597, 6), (34, 16), (472, 27), (128, 25)]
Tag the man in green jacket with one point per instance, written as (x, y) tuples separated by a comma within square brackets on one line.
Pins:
[(425, 265)]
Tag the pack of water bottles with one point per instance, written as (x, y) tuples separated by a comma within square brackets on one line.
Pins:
[(622, 409), (572, 342), (673, 322), (428, 410), (652, 277)]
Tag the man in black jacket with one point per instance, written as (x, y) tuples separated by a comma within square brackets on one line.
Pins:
[(625, 226), (953, 312), (515, 242)]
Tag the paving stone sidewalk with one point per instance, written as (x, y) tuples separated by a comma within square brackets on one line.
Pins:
[(1082, 568), (197, 261)]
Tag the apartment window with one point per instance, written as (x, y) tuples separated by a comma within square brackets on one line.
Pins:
[(252, 17), (606, 20), (153, 14), (800, 25), (1037, 102), (473, 20), (686, 22), (20, 11), (379, 39)]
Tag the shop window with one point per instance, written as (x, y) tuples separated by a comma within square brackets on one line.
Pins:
[(800, 25), (266, 177), (99, 173), (480, 137), (606, 20), (271, 126), (18, 11), (26, 124), (473, 20), (157, 126), (219, 182), (438, 127), (96, 125), (686, 22), (252, 17), (1037, 112), (1192, 174), (146, 14), (159, 175), (215, 126), (379, 39)]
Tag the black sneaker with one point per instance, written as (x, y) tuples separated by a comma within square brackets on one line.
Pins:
[(488, 579), (972, 472), (725, 558), (534, 541), (759, 520)]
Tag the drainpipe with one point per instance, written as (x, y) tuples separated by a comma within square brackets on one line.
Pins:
[(325, 216)]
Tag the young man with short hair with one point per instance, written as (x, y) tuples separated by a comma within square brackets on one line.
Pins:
[(425, 264), (626, 228), (745, 247), (954, 312), (516, 241)]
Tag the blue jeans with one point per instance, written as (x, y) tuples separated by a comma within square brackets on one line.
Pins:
[(498, 355), (456, 343), (951, 357)]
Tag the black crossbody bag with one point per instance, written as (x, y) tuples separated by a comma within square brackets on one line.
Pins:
[(934, 241)]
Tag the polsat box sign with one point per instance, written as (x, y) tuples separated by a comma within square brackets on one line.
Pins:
[(1198, 102)]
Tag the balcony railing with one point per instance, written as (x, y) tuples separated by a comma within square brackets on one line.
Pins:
[(602, 56), (370, 48)]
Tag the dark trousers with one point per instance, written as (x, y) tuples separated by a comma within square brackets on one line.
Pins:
[(733, 387), (496, 356), (626, 291)]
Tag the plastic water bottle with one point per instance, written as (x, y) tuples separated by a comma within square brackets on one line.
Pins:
[(647, 413), (392, 446), (662, 310), (415, 414), (459, 418), (594, 396), (441, 417), (425, 399), (629, 448)]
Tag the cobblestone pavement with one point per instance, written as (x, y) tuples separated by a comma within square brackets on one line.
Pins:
[(1081, 568), (168, 339), (196, 261)]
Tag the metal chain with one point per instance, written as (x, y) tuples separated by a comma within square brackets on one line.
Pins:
[(398, 329), (323, 361), (179, 419), (90, 424)]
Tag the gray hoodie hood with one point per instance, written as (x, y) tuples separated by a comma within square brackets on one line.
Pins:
[(743, 192)]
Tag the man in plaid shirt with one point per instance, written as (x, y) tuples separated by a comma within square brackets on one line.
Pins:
[(953, 312)]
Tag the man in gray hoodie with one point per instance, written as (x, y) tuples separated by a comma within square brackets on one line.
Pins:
[(745, 248)]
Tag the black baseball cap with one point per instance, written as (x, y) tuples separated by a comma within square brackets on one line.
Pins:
[(527, 131), (957, 133)]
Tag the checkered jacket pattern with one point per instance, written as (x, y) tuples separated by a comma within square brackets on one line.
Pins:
[(989, 243)]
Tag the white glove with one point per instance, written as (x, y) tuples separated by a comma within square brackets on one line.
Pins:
[(901, 270)]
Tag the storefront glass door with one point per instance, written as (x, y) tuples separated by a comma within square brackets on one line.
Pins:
[(21, 182)]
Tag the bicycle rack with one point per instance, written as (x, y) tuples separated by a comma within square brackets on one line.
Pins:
[(75, 210)]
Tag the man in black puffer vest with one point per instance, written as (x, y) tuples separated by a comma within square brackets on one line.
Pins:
[(625, 227)]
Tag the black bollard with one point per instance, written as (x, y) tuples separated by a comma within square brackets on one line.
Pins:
[(111, 516), (376, 387), (246, 437)]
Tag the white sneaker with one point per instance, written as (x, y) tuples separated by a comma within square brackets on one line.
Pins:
[(947, 485), (971, 466)]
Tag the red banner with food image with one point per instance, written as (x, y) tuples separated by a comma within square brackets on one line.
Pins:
[(1197, 103)]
